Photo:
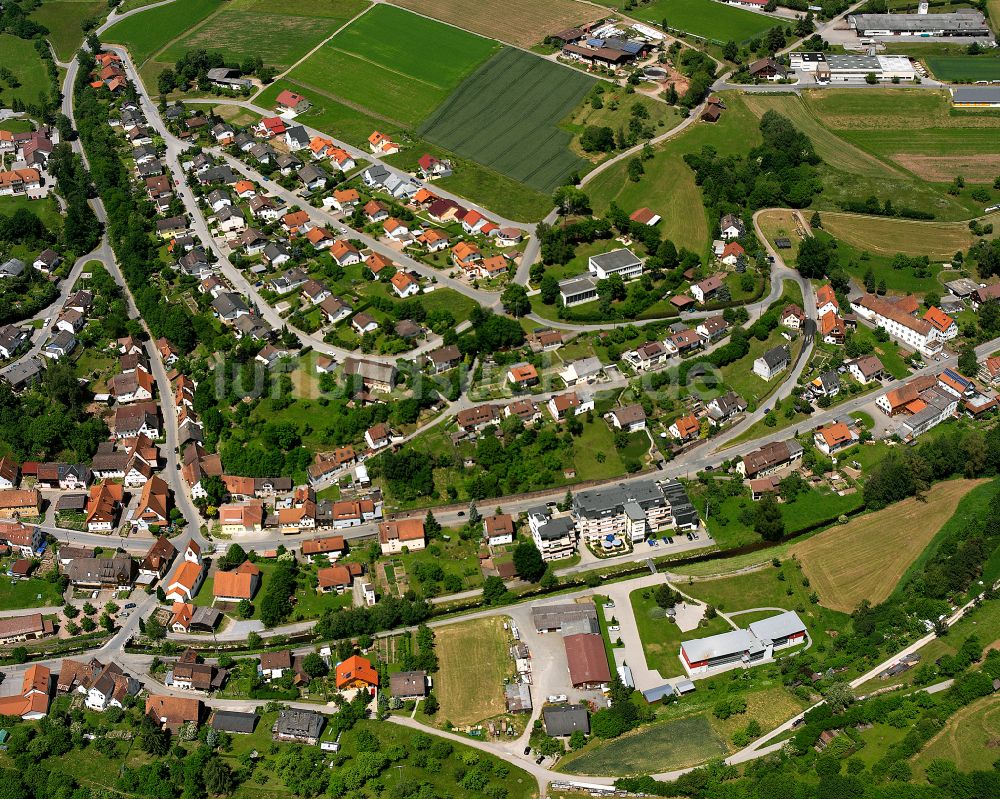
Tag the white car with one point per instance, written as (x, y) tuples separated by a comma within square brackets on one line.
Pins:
[(609, 605), (614, 628), (558, 698)]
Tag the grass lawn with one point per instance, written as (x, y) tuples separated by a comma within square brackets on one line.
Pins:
[(147, 33), (475, 661), (705, 18), (47, 210), (809, 508), (17, 126), (657, 747), (920, 132), (968, 738), (32, 593), (887, 352), (21, 58), (380, 62), (668, 186), (769, 587), (661, 639), (964, 68), (781, 223), (615, 112), (740, 377), (865, 558), (63, 18)]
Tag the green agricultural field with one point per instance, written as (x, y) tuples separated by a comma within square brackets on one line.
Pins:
[(147, 33), (659, 747), (968, 739), (668, 185), (380, 62), (21, 58), (63, 18), (871, 146), (505, 115), (919, 131), (964, 69), (283, 32), (888, 236)]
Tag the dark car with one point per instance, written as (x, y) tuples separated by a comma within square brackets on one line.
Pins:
[(539, 759), (527, 750)]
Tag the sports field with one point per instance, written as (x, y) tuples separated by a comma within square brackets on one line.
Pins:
[(865, 558), (474, 663), (505, 115), (281, 35), (706, 18), (146, 33), (523, 23), (968, 739), (21, 58), (886, 236), (668, 185), (394, 63), (63, 18), (660, 747), (964, 68)]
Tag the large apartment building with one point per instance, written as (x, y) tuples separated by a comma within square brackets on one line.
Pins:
[(916, 333), (631, 510)]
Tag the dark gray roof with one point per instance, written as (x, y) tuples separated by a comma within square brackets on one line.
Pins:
[(298, 134), (975, 94), (777, 356), (232, 721), (300, 723), (566, 719), (616, 259)]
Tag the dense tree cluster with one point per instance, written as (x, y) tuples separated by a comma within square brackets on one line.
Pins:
[(780, 171), (389, 613), (81, 230), (50, 419), (14, 19)]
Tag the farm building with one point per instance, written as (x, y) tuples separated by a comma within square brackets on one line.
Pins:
[(588, 663), (975, 96), (563, 720), (959, 23)]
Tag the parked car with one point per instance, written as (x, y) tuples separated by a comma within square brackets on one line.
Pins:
[(557, 698), (609, 605), (527, 750), (614, 628)]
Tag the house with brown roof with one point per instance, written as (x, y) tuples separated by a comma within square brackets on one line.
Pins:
[(152, 508), (394, 536), (158, 559), (474, 419), (20, 503), (103, 506), (338, 578), (242, 518), (234, 586), (630, 418), (498, 529), (14, 629), (173, 712)]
